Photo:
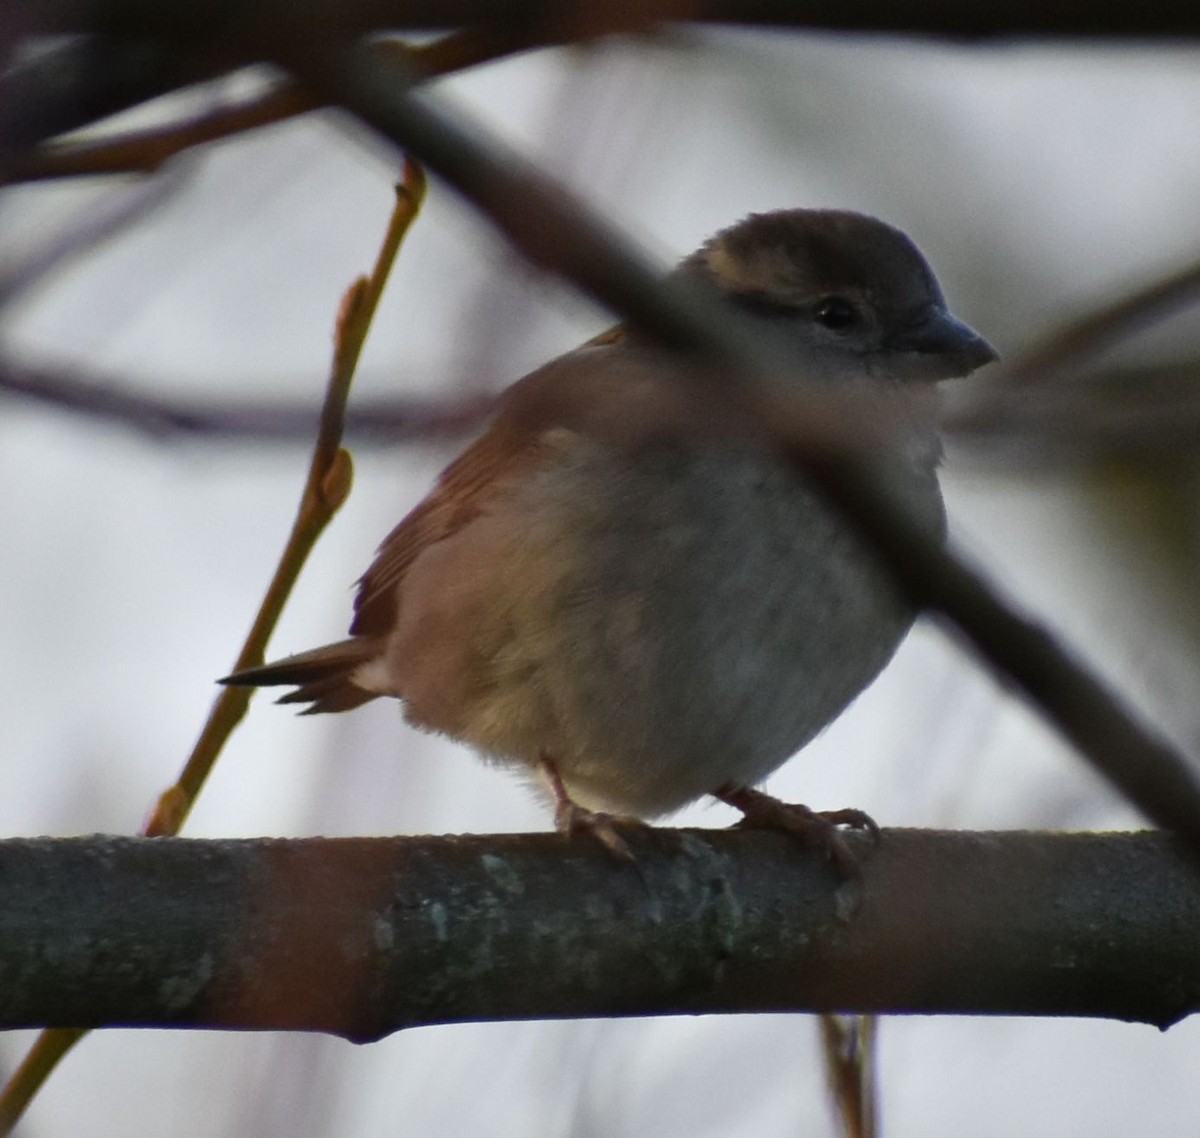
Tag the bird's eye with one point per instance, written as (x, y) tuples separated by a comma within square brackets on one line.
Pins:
[(837, 313)]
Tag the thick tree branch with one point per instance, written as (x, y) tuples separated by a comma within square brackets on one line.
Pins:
[(360, 937)]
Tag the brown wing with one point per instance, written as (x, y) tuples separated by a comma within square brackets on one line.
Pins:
[(325, 677), (462, 492), (512, 444)]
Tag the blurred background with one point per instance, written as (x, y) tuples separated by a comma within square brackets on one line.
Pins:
[(1039, 182)]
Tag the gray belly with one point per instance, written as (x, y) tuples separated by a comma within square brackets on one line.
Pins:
[(722, 617)]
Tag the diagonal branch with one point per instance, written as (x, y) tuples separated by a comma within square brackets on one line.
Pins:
[(1078, 342), (1149, 414)]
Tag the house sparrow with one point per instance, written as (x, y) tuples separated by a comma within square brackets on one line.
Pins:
[(606, 590)]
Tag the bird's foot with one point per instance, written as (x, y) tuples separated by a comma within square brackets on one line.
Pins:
[(571, 818), (820, 828)]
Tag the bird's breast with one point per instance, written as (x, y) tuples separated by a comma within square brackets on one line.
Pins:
[(673, 620)]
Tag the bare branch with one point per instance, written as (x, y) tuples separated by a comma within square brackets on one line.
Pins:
[(76, 82), (360, 937), (145, 151), (1079, 341), (134, 50), (379, 422), (1147, 414)]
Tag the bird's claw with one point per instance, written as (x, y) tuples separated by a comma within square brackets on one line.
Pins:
[(571, 818), (820, 828)]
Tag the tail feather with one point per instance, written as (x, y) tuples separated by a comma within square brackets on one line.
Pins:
[(323, 677)]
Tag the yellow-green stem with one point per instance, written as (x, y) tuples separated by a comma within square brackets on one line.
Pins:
[(326, 488)]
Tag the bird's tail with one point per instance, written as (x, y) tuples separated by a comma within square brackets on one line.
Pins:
[(324, 677)]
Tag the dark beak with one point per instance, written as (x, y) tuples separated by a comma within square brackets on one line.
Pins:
[(942, 347)]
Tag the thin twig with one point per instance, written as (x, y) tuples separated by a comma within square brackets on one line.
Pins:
[(369, 422), (73, 81), (848, 1044), (1147, 414), (326, 488), (1081, 341), (145, 151)]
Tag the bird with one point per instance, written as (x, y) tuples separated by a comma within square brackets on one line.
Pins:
[(632, 607)]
